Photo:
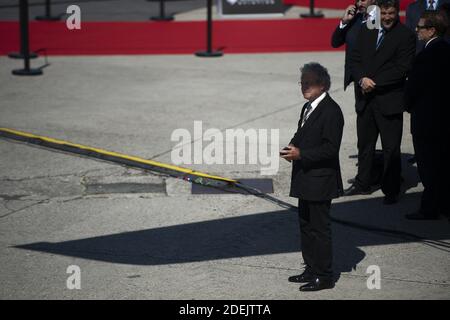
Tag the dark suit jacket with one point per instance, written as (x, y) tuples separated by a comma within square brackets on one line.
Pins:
[(388, 67), (317, 175), (415, 10), (347, 36), (427, 88), (413, 13)]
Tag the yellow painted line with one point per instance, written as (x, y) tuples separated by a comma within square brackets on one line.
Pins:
[(119, 155)]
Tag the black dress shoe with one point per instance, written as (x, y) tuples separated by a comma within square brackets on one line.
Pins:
[(318, 284), (420, 216), (306, 276), (355, 190), (388, 200)]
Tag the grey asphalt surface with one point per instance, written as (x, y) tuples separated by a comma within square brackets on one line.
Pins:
[(167, 243)]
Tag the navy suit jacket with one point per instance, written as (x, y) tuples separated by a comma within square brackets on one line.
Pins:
[(426, 95)]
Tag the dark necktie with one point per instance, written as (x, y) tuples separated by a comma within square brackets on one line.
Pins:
[(306, 113), (430, 5), (380, 38)]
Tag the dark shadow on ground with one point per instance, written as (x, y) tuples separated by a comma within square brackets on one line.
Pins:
[(251, 235)]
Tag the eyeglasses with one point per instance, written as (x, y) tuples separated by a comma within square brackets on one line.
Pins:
[(423, 27)]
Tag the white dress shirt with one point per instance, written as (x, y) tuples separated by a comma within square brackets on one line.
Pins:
[(314, 105)]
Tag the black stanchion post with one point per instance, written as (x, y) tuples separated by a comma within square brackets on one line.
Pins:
[(162, 15), (312, 13), (209, 52), (20, 55), (26, 71), (48, 13)]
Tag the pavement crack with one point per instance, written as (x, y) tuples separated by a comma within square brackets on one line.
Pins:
[(77, 174), (22, 209), (5, 206)]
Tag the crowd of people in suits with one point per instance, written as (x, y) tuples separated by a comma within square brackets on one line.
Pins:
[(395, 68)]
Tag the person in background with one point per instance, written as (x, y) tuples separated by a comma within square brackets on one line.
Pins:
[(426, 99), (380, 63), (415, 10), (355, 17)]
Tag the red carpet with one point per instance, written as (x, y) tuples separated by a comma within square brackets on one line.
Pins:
[(104, 38), (336, 4)]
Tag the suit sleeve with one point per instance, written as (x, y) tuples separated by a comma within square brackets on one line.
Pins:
[(338, 37), (355, 61), (398, 70), (331, 141)]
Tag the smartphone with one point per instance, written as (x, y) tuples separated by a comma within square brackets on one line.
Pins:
[(353, 12)]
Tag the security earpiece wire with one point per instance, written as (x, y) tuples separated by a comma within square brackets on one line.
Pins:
[(192, 176)]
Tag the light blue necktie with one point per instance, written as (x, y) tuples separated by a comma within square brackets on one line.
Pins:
[(380, 38)]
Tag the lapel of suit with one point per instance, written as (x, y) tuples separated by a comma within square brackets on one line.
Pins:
[(314, 115)]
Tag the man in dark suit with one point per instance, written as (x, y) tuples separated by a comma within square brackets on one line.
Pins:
[(415, 10), (380, 63), (355, 16), (316, 175), (347, 31), (426, 97), (413, 13)]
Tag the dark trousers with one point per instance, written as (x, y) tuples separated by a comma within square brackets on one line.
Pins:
[(315, 231), (428, 160), (370, 123)]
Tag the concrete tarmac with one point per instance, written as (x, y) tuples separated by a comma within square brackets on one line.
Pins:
[(166, 243)]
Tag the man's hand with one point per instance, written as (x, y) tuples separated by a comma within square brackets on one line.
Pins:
[(349, 14), (367, 85), (293, 153)]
